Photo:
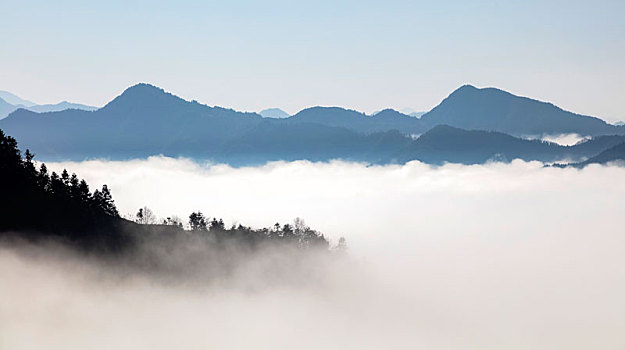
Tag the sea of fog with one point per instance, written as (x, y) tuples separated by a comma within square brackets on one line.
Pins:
[(496, 256)]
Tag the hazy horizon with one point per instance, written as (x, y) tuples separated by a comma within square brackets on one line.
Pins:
[(252, 55), (495, 221)]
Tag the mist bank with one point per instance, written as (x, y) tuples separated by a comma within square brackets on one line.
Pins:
[(511, 256), (330, 194)]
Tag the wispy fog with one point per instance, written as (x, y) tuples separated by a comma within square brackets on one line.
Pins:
[(501, 256), (564, 139), (560, 139)]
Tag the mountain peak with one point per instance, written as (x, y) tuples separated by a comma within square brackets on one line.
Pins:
[(144, 95), (470, 90), (389, 113), (386, 110), (465, 88), (273, 113), (143, 88), (494, 109)]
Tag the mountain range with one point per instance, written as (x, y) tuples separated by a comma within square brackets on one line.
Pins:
[(14, 99), (10, 102), (470, 126), (473, 109), (492, 109)]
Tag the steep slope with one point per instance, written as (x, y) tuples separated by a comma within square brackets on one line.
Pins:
[(495, 110), (144, 120)]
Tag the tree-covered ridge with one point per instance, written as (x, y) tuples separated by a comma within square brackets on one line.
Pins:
[(298, 233), (42, 204), (36, 200)]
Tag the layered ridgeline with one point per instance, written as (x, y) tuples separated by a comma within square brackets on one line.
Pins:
[(145, 120), (42, 205), (10, 102), (615, 155), (444, 143), (496, 110)]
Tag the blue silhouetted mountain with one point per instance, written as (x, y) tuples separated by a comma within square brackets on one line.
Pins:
[(273, 113), (7, 107), (270, 141), (385, 120), (448, 144), (145, 120), (472, 109), (60, 107), (15, 100), (495, 110)]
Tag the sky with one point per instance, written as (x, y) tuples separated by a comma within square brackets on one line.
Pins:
[(365, 55)]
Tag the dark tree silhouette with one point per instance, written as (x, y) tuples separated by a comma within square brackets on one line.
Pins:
[(41, 205), (217, 225), (197, 222), (145, 216), (37, 202)]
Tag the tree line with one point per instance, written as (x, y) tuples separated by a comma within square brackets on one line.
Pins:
[(36, 201), (45, 203), (297, 233)]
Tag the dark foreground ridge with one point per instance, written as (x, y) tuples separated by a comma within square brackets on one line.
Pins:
[(39, 206)]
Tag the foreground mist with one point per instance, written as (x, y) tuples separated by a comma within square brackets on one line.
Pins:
[(512, 256)]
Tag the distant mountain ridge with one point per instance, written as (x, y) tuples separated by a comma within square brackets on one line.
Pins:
[(10, 103), (5, 108), (60, 107), (492, 109), (14, 99), (447, 144), (146, 120), (468, 108), (273, 113), (385, 120)]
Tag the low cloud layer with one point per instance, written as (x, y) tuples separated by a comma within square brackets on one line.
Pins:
[(564, 139), (512, 256), (560, 139)]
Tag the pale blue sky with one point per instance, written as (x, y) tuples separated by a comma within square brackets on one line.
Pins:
[(365, 55)]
